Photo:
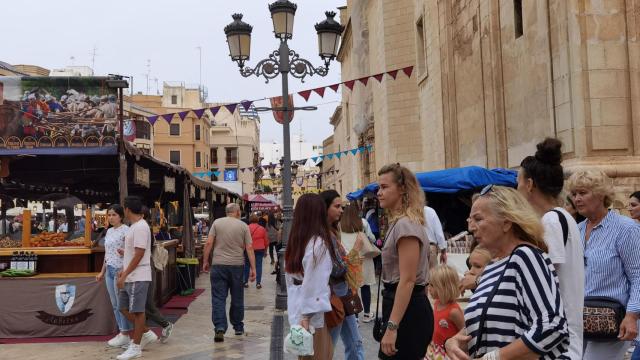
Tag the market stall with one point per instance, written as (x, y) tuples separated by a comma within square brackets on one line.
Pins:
[(59, 171)]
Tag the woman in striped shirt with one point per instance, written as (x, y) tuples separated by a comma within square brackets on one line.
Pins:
[(516, 311), (611, 258)]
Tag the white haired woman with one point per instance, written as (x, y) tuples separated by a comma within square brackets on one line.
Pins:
[(516, 311), (612, 259)]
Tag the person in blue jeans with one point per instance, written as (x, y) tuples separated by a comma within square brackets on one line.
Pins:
[(228, 238), (259, 243), (348, 330), (111, 267)]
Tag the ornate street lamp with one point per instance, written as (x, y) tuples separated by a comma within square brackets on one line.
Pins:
[(239, 39), (285, 62), (329, 34), (272, 171)]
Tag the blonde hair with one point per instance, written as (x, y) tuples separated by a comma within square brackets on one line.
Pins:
[(481, 251), (413, 196), (596, 181), (445, 283), (510, 205)]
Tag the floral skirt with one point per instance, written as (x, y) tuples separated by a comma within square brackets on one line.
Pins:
[(436, 352)]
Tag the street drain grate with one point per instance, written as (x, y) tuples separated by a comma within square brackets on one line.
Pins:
[(254, 307)]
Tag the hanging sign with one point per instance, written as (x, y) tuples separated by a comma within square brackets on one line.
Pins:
[(193, 191), (169, 184), (141, 176)]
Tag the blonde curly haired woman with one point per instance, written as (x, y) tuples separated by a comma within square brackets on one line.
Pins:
[(405, 262), (516, 311)]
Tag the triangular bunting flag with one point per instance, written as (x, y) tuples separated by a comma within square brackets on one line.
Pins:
[(408, 70), (369, 147), (305, 94), (209, 173), (378, 77), (320, 91), (214, 110), (338, 155), (216, 173), (246, 105), (315, 158), (393, 73), (345, 152), (168, 117), (183, 115), (152, 119), (242, 170), (231, 107), (354, 151), (199, 112), (334, 87), (330, 156), (361, 149), (364, 80), (350, 84)]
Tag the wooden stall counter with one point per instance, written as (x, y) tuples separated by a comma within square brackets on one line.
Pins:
[(52, 305), (165, 280)]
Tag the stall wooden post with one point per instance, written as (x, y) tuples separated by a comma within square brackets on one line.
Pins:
[(87, 227), (26, 228)]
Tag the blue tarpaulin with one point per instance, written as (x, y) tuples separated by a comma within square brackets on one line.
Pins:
[(450, 181)]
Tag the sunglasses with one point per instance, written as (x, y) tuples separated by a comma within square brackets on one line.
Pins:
[(487, 189)]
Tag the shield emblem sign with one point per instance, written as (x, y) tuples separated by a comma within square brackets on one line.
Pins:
[(65, 296)]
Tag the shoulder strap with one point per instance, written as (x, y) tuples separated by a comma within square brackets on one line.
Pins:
[(564, 224)]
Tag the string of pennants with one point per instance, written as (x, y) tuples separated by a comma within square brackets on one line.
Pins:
[(315, 159), (305, 94)]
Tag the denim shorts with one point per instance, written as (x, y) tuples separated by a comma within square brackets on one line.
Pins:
[(133, 297)]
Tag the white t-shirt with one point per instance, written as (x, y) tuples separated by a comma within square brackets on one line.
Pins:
[(434, 228), (569, 263), (138, 236)]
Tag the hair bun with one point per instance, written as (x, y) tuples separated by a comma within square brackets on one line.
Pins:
[(549, 151)]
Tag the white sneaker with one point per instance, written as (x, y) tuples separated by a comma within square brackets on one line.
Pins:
[(166, 332), (119, 340), (133, 352), (368, 317), (147, 338)]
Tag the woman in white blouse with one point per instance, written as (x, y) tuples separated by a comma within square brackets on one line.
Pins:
[(111, 267), (308, 261)]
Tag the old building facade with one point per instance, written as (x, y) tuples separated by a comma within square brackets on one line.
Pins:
[(494, 77)]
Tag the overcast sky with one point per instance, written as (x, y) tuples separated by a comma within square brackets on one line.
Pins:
[(127, 33)]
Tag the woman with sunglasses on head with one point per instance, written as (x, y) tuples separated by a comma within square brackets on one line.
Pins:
[(540, 181), (348, 329), (516, 311), (406, 311)]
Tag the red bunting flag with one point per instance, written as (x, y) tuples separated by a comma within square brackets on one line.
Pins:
[(305, 94), (408, 70), (334, 87), (378, 77), (350, 84), (320, 91), (364, 80), (393, 73)]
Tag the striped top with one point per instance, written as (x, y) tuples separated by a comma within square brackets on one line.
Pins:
[(612, 260), (527, 306)]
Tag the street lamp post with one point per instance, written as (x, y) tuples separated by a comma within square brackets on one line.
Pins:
[(285, 62)]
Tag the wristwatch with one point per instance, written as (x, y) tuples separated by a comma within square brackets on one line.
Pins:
[(392, 326)]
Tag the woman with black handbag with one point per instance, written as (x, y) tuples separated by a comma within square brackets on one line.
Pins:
[(348, 329), (516, 311), (407, 316), (612, 267)]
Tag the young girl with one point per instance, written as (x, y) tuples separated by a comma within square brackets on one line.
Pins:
[(447, 315), (478, 259)]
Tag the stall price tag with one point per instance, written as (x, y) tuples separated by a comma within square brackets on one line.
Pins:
[(169, 184), (142, 176)]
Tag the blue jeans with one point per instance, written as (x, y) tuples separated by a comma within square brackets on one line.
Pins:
[(110, 279), (247, 266), (225, 279), (348, 330), (636, 352)]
